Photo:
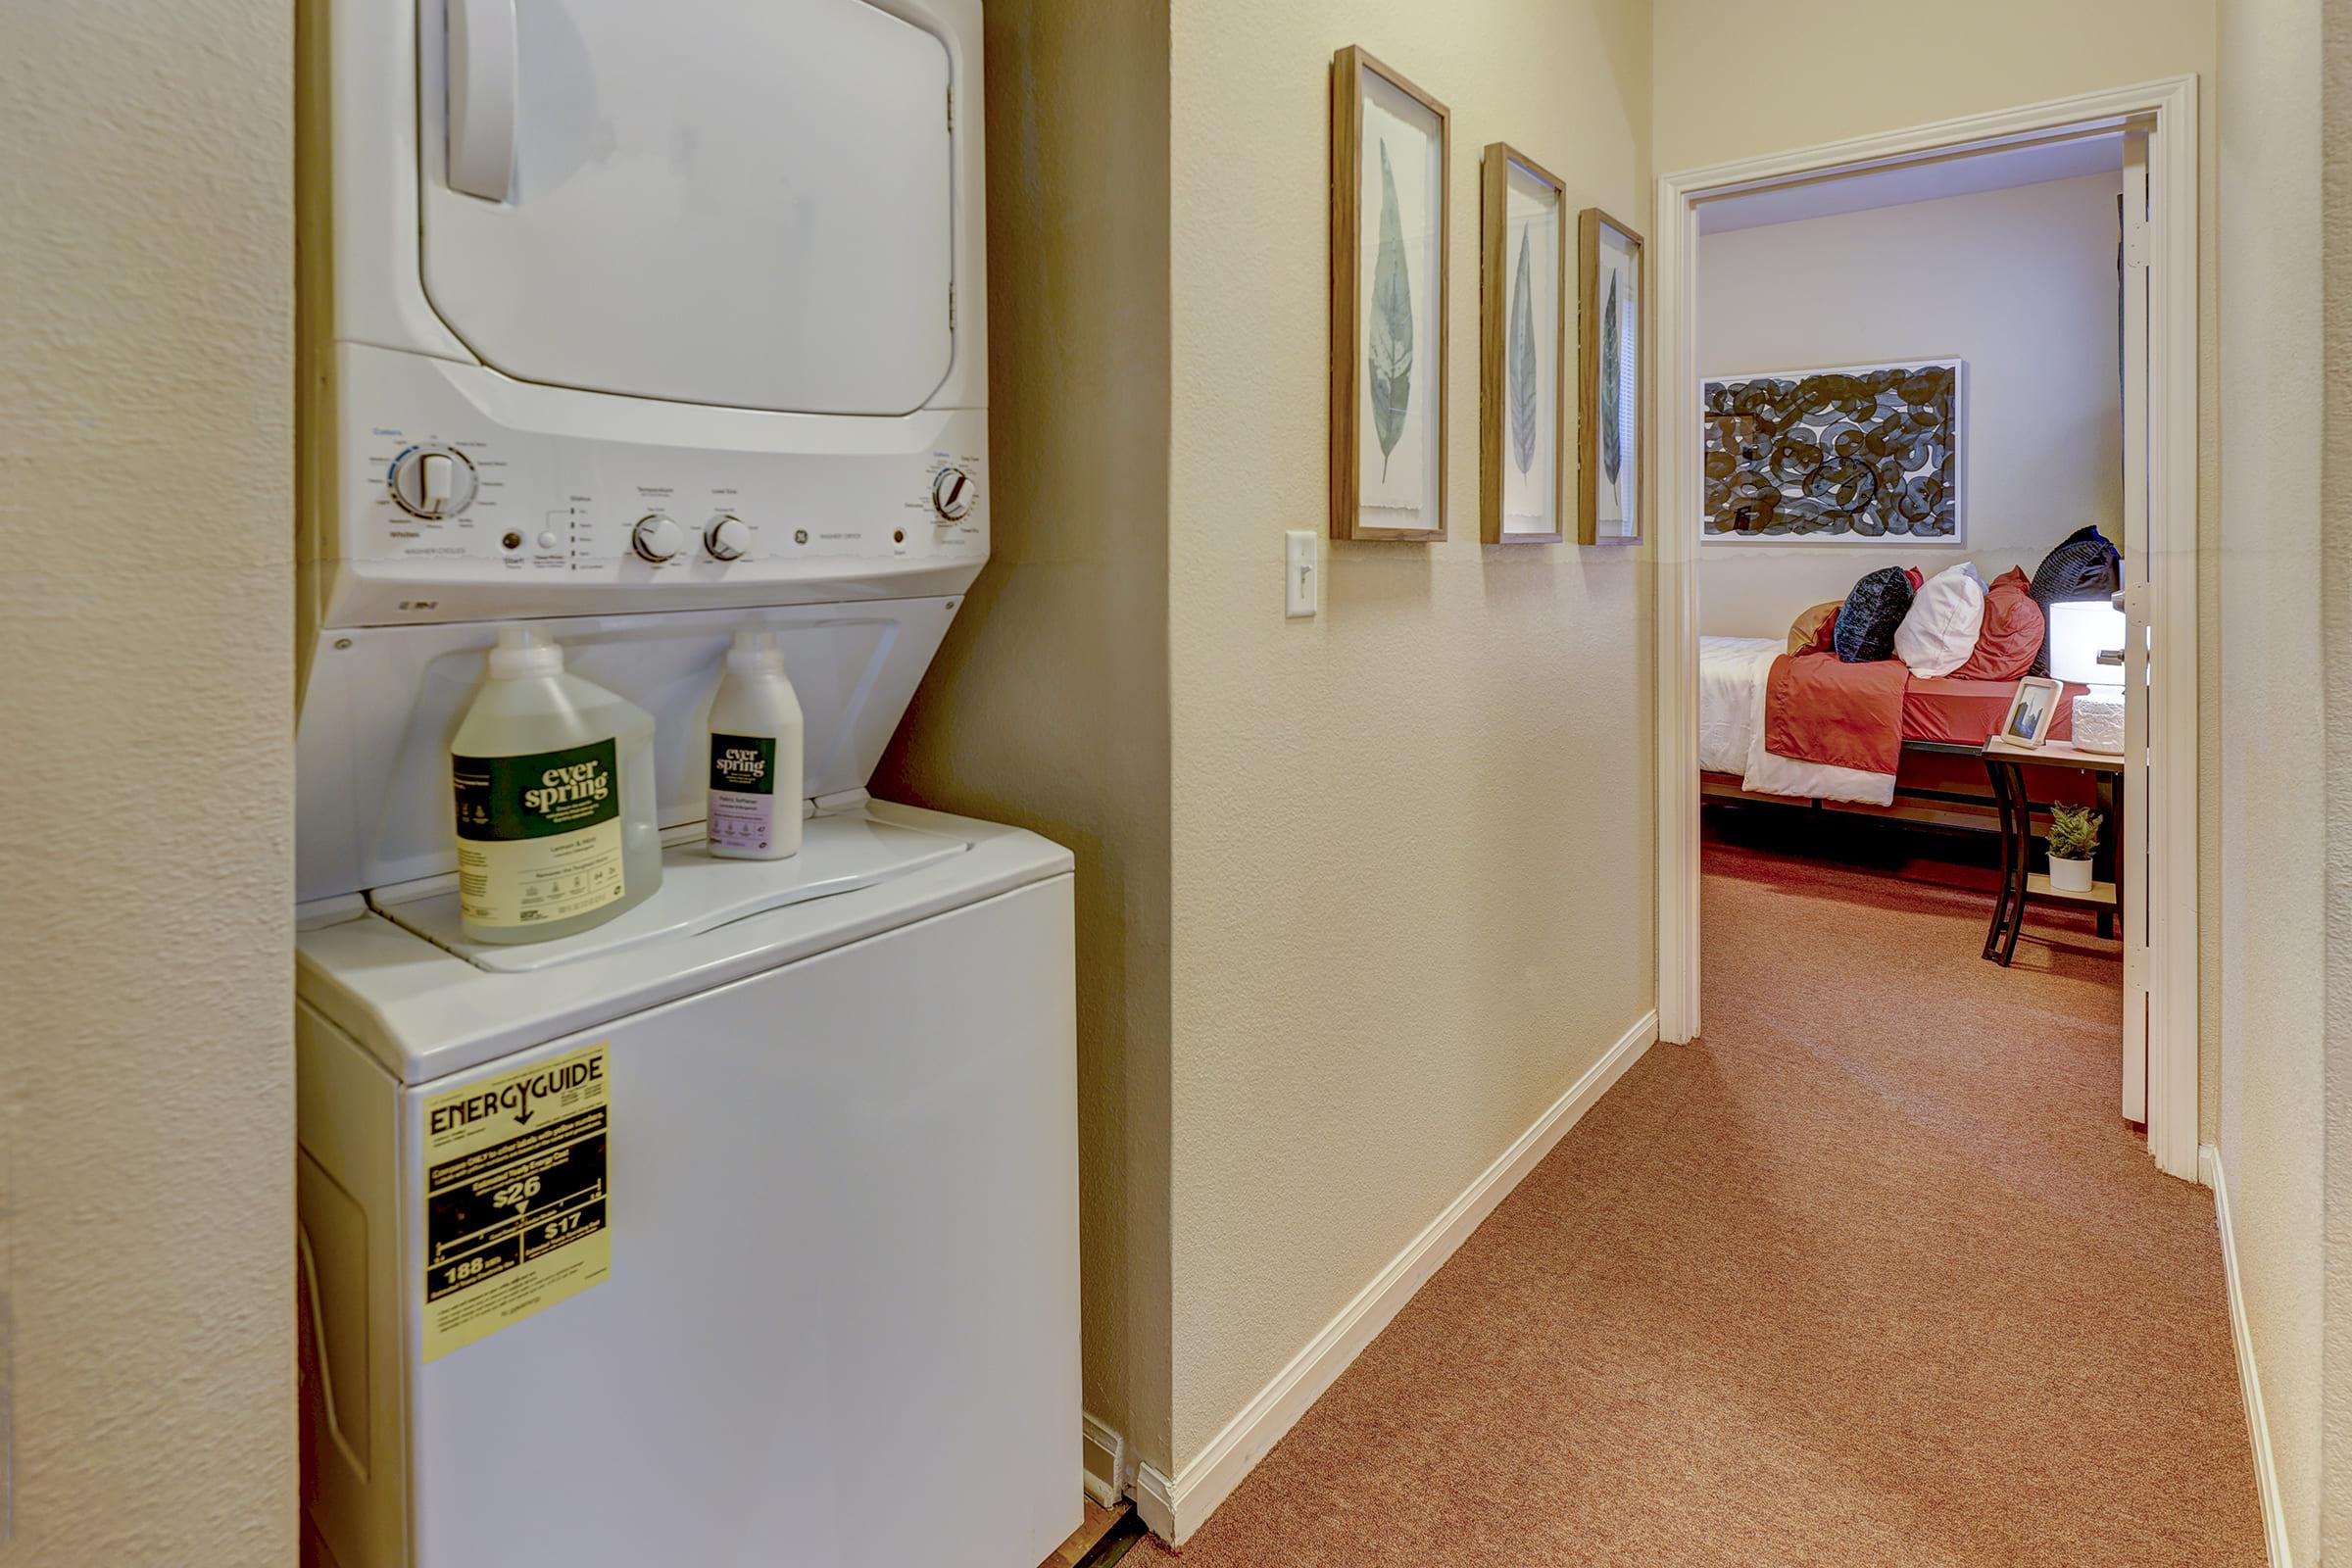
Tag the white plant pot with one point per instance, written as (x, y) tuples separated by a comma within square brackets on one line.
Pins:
[(2070, 876)]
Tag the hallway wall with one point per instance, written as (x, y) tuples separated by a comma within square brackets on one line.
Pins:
[(2271, 741), (1847, 76), (1411, 838), (146, 626), (1048, 705), (2018, 283)]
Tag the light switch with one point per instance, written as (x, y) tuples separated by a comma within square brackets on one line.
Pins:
[(1302, 572)]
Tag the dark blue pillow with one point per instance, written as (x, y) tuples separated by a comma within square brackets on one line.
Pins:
[(1866, 625), (2085, 566)]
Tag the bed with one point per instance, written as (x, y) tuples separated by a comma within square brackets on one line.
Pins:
[(1944, 723)]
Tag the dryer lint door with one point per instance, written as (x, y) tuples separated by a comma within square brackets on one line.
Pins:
[(699, 201)]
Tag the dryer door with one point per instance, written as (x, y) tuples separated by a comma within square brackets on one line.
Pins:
[(703, 201)]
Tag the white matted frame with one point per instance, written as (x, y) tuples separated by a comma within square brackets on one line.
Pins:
[(2163, 600)]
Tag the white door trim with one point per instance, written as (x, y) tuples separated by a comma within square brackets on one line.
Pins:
[(2172, 805)]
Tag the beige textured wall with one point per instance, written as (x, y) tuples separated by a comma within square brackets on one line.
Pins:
[(146, 1065), (1048, 706), (2336, 511), (2020, 283), (2272, 743), (1896, 66), (1413, 838)]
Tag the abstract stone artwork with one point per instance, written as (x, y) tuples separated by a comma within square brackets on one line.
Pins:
[(1855, 453)]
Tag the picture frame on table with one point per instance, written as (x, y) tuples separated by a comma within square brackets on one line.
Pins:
[(2031, 711), (1523, 385), (1389, 153), (1612, 323)]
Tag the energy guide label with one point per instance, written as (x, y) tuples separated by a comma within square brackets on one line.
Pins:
[(514, 1197)]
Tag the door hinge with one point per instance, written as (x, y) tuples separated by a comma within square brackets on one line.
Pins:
[(951, 109), (951, 308)]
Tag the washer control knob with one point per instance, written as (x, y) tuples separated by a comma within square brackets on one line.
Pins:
[(657, 538), (951, 494), (432, 482), (727, 537)]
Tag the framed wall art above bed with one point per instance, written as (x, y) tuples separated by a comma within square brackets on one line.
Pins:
[(1848, 455)]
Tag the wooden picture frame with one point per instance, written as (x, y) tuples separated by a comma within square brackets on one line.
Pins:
[(1523, 385), (1373, 466), (2038, 695), (1611, 497)]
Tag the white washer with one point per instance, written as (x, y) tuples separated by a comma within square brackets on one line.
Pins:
[(742, 1229)]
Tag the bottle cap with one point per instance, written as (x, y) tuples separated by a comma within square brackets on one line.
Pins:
[(756, 653), (524, 650)]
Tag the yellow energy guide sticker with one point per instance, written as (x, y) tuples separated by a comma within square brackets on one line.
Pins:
[(514, 1197)]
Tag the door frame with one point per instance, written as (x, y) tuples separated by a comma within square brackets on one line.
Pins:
[(2171, 803)]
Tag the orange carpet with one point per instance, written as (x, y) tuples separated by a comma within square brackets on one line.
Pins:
[(1872, 1274)]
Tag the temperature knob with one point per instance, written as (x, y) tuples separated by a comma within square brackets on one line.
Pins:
[(657, 538), (951, 494), (726, 537), (432, 482)]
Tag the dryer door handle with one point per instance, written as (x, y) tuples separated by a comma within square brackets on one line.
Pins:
[(481, 97)]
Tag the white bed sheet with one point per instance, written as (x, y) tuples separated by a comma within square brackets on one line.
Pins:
[(1733, 674)]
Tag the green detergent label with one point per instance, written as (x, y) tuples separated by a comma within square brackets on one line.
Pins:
[(743, 790), (538, 834)]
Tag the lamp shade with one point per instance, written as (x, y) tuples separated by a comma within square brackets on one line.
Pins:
[(2078, 632)]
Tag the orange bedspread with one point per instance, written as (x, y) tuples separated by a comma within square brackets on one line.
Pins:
[(1820, 709)]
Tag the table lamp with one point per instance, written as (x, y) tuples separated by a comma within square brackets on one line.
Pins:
[(2081, 633)]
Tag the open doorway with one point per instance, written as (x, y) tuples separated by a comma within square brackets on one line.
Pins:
[(1819, 429)]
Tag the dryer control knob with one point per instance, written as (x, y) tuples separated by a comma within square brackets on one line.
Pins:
[(726, 537), (432, 482), (657, 538), (951, 494)]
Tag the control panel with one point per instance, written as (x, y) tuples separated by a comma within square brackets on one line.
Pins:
[(455, 507)]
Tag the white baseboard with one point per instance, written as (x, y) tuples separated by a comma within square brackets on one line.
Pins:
[(1175, 1507), (1103, 1460), (2249, 1380)]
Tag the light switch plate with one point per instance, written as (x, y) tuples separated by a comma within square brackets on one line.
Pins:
[(1302, 573)]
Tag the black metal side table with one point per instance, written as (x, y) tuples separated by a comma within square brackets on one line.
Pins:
[(2006, 764)]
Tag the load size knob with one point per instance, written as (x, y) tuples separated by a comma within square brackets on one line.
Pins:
[(952, 493), (657, 538), (726, 537)]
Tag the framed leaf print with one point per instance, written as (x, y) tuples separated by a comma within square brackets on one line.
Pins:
[(1610, 316), (1522, 351), (1387, 304)]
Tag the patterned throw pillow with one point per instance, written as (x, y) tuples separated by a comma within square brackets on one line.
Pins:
[(1873, 611), (2085, 566)]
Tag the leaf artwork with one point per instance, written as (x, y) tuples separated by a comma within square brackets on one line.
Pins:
[(1391, 356), (1523, 361), (1613, 439)]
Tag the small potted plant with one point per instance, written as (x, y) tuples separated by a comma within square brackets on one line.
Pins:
[(2074, 839)]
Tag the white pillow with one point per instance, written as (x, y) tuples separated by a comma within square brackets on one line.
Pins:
[(1939, 631)]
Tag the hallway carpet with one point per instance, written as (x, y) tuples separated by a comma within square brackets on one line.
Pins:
[(1872, 1274)]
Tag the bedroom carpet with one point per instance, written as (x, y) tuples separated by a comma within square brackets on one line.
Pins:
[(1872, 1274)]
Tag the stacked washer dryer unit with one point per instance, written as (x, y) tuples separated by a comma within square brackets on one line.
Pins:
[(741, 1229)]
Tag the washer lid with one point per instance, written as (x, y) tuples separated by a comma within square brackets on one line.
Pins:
[(700, 201), (699, 893)]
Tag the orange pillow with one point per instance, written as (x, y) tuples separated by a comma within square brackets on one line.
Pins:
[(1815, 627), (2012, 634)]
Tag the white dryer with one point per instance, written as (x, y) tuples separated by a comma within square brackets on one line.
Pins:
[(742, 1229)]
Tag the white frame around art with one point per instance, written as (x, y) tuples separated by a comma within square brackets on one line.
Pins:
[(1957, 539), (2170, 107)]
